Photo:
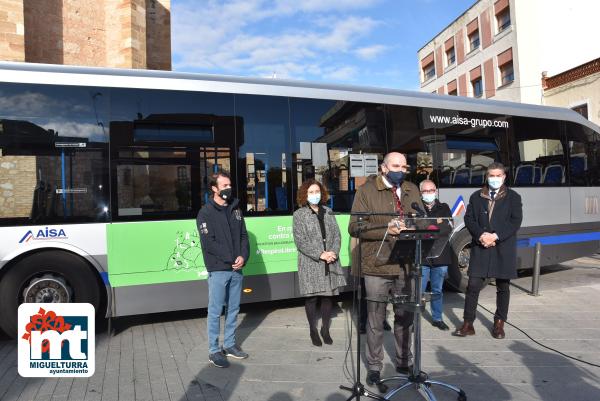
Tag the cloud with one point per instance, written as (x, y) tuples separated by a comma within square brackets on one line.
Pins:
[(348, 73), (370, 52), (293, 39)]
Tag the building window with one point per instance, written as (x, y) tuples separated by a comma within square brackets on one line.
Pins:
[(474, 40), (503, 19), (450, 56), (429, 71), (507, 74), (477, 87), (453, 93), (582, 109)]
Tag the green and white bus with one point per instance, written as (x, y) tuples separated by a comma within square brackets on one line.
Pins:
[(102, 173)]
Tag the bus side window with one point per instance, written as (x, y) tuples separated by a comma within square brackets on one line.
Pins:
[(582, 142), (326, 135), (540, 156), (407, 134), (53, 154), (463, 144)]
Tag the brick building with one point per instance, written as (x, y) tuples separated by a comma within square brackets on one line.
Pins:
[(102, 33), (498, 48)]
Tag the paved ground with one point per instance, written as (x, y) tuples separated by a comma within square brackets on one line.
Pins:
[(164, 356)]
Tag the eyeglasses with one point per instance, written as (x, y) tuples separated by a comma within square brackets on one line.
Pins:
[(428, 191)]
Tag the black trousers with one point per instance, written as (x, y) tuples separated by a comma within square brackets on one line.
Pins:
[(472, 296)]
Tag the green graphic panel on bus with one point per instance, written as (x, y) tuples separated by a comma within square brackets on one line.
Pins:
[(169, 251)]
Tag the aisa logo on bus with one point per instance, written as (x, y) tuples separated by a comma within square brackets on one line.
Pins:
[(48, 233), (56, 340)]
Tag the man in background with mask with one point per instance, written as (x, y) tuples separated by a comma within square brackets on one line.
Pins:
[(225, 250), (435, 269), (388, 192), (493, 217)]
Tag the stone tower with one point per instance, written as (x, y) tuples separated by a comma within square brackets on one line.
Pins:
[(102, 33)]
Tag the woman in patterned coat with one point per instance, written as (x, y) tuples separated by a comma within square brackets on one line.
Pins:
[(317, 237)]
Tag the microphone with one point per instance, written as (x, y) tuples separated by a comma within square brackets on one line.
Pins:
[(419, 212)]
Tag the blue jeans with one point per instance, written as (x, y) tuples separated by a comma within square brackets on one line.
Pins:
[(436, 276), (223, 287)]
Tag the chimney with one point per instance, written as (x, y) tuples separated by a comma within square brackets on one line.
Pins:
[(544, 79)]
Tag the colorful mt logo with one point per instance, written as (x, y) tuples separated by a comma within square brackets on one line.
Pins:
[(48, 233), (56, 340)]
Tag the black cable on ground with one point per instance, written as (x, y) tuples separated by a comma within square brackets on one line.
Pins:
[(539, 343), (350, 373), (531, 338)]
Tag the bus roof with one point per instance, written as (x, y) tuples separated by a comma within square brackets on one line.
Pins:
[(170, 80)]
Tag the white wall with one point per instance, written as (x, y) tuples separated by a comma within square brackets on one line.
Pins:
[(553, 36), (571, 34), (528, 50)]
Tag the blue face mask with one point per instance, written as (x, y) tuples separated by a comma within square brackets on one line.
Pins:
[(395, 177), (314, 199), (495, 182), (428, 198)]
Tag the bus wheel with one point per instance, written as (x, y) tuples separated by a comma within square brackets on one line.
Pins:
[(46, 276), (461, 253)]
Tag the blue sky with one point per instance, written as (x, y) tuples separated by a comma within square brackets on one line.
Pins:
[(364, 42)]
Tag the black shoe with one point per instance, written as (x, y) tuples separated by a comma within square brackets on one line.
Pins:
[(440, 325), (219, 360), (405, 370), (314, 337), (373, 377), (235, 352), (386, 326), (326, 337)]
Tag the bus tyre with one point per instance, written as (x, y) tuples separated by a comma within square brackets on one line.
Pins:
[(461, 252), (47, 276)]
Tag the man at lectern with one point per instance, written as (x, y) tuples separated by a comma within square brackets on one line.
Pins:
[(388, 192)]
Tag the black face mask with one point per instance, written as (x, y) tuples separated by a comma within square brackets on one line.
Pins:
[(395, 177), (226, 193)]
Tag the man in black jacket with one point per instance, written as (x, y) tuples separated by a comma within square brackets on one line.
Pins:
[(493, 217), (225, 250), (435, 268)]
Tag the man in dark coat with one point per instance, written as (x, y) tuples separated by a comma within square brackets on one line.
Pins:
[(225, 249), (384, 275), (493, 217)]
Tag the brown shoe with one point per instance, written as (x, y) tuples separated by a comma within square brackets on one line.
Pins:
[(498, 330), (467, 329)]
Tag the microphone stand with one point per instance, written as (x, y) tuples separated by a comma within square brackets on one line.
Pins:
[(417, 378), (358, 389)]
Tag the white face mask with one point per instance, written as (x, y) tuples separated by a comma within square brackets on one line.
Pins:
[(314, 199), (495, 182), (428, 198)]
